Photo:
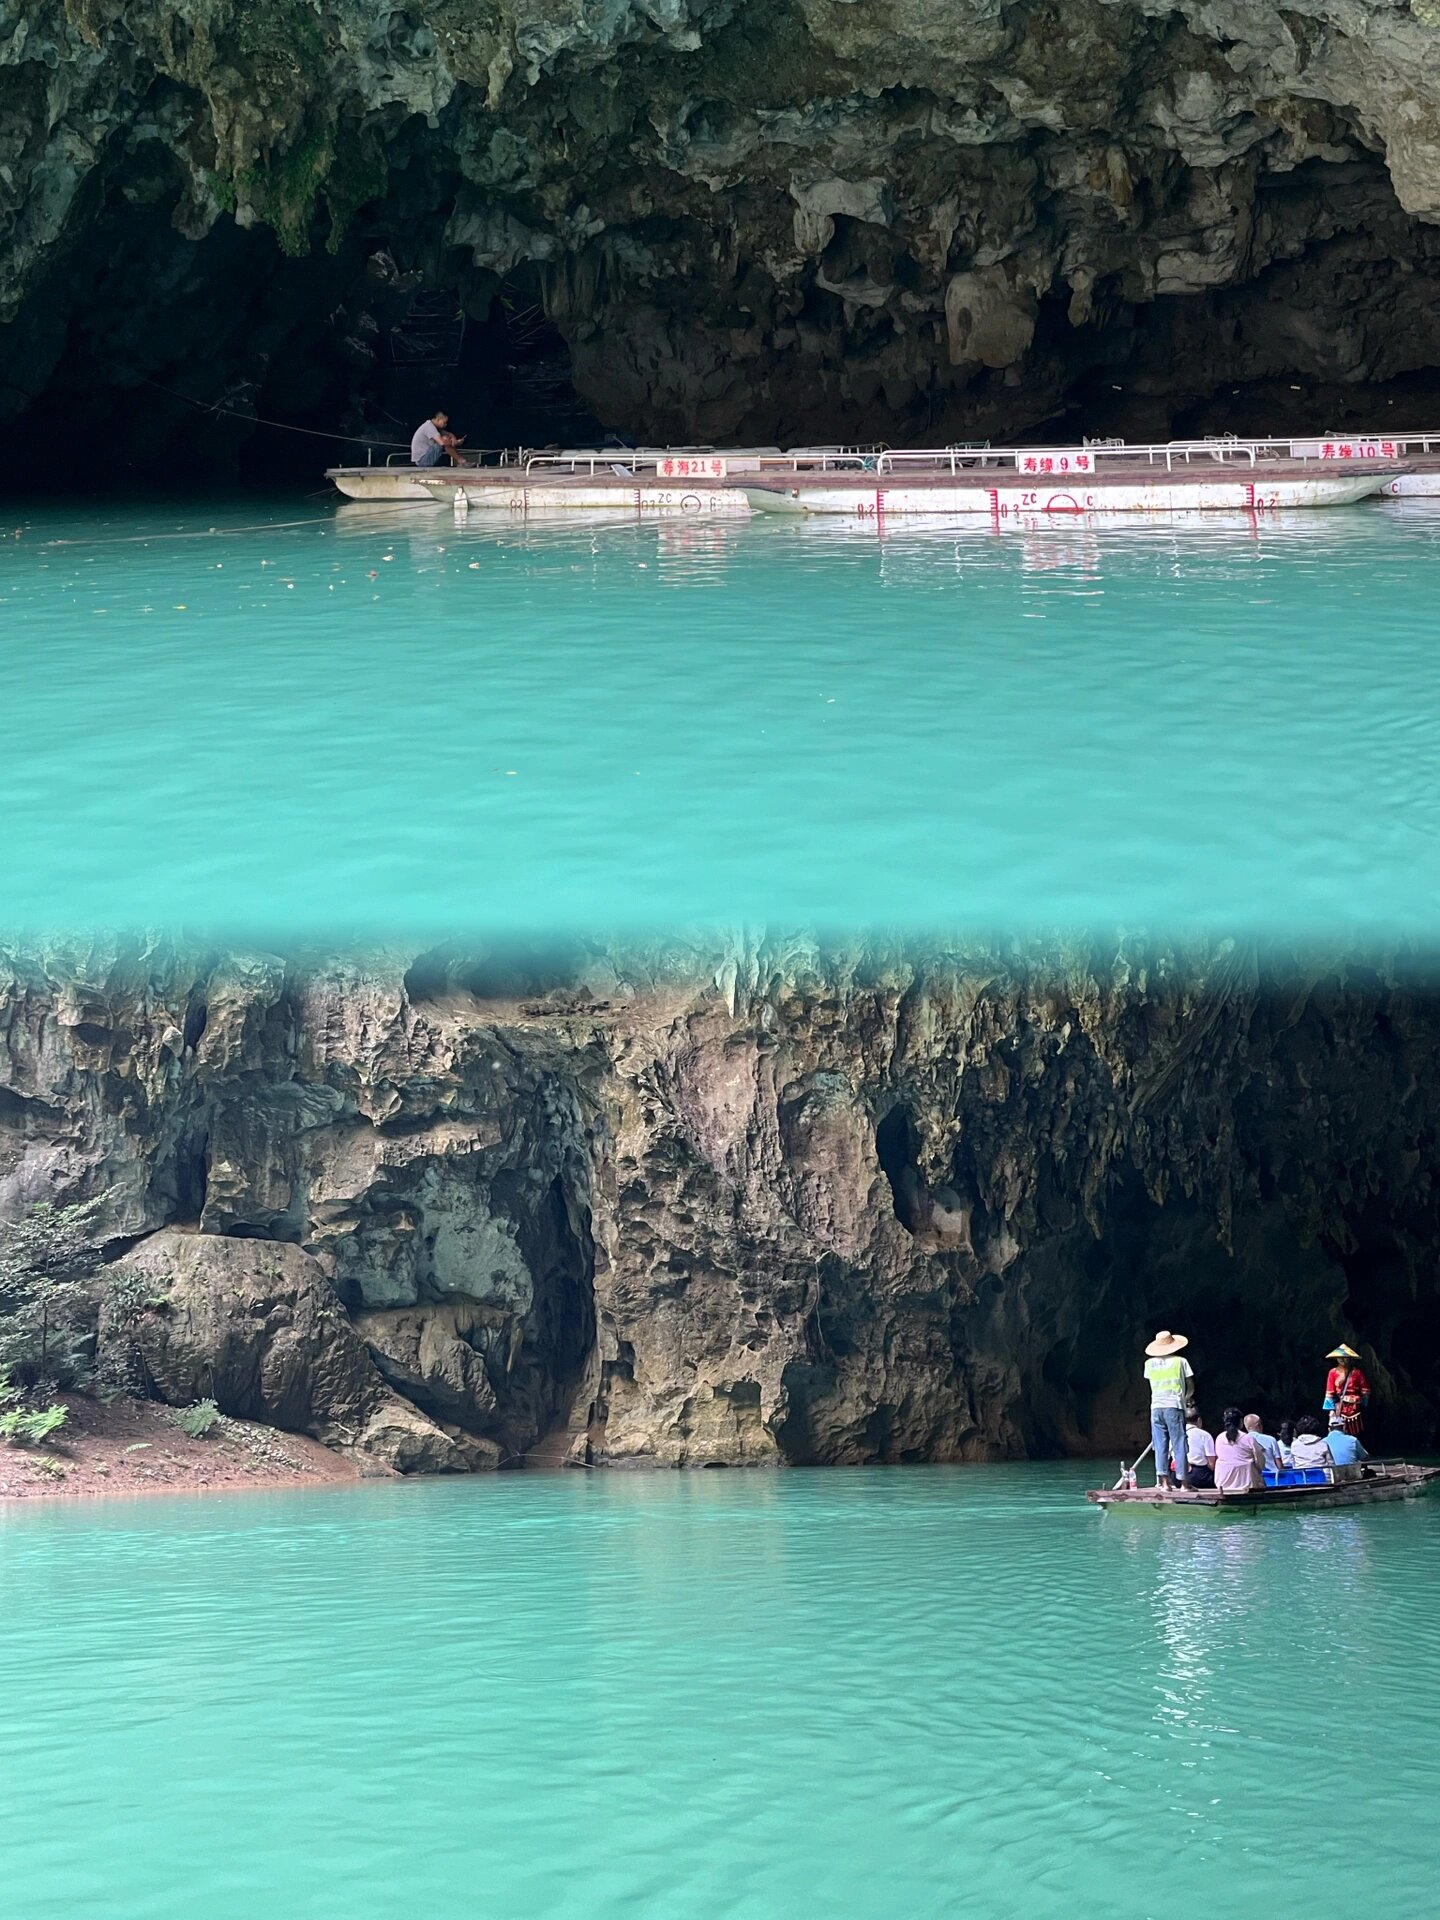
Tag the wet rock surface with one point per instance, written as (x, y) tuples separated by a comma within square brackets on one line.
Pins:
[(760, 1203), (741, 221)]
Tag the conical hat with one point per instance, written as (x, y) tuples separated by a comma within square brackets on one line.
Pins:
[(1342, 1352), (1164, 1344)]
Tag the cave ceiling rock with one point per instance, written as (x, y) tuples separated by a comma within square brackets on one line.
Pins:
[(989, 319), (745, 219)]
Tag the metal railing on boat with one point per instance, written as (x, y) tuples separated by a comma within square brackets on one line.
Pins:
[(1066, 460), (471, 456), (1091, 456), (627, 461)]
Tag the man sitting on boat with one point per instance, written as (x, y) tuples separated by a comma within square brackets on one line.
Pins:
[(1346, 1451), (432, 442), (1199, 1454), (1309, 1448), (1269, 1446)]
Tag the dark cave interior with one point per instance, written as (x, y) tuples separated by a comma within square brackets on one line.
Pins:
[(147, 356)]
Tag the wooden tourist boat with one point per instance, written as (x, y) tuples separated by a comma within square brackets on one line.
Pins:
[(1378, 1480)]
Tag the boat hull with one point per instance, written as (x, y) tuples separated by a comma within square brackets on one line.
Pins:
[(1402, 1482), (523, 498), (1015, 501), (395, 484), (1414, 486)]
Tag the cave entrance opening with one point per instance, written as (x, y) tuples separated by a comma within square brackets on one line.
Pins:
[(1260, 1309)]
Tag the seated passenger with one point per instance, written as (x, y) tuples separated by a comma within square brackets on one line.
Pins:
[(1310, 1449), (431, 443), (1286, 1437), (1347, 1453), (1199, 1454), (1237, 1456), (1269, 1446)]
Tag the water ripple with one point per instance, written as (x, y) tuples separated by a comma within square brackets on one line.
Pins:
[(551, 726), (865, 1693)]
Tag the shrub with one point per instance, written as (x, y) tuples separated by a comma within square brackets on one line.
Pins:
[(129, 1295), (47, 1308), (24, 1427), (197, 1421)]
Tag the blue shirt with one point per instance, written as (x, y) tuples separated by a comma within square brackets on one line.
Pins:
[(1345, 1449)]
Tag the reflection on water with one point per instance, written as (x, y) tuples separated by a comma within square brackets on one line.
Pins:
[(869, 1693), (373, 718)]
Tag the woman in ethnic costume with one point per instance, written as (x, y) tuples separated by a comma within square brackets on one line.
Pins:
[(1347, 1391)]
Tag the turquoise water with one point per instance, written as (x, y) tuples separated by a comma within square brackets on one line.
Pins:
[(920, 1692), (364, 720)]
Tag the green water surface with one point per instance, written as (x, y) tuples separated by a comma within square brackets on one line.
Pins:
[(303, 719), (914, 1692)]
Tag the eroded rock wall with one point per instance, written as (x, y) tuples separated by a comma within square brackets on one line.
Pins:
[(759, 1204), (746, 219)]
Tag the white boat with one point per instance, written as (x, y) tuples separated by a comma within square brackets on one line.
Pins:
[(1006, 498), (1223, 474), (618, 493), (1413, 486), (383, 483)]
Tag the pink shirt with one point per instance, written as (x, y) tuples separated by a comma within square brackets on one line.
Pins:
[(1237, 1463)]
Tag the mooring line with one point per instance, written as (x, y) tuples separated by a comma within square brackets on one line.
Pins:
[(203, 533)]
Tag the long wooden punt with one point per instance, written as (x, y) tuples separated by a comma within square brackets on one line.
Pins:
[(505, 480), (394, 485), (1385, 1480), (589, 493), (1269, 488)]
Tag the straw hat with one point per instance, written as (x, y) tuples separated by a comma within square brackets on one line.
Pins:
[(1342, 1352), (1164, 1344)]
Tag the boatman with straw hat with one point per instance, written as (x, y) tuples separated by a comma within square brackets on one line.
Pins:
[(1169, 1377)]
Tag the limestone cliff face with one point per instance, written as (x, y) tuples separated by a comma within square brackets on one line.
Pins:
[(744, 218), (759, 1205)]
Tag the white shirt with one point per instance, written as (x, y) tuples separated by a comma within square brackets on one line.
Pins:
[(427, 434), (1199, 1446), (1310, 1450)]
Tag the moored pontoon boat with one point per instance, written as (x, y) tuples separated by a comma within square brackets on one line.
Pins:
[(1008, 484)]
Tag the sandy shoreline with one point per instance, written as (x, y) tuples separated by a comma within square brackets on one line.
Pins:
[(131, 1448)]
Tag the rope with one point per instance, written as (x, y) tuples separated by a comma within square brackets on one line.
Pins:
[(280, 426), (203, 533), (505, 1458)]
